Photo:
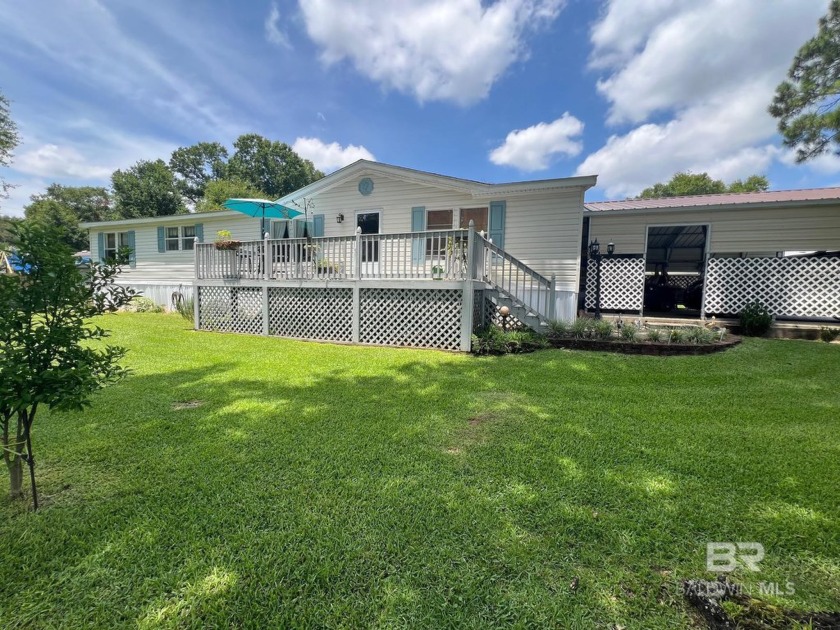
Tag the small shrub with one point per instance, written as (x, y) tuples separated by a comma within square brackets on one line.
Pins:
[(654, 335), (628, 333), (603, 329), (141, 304), (494, 340), (755, 320), (829, 334), (699, 335), (558, 328), (580, 328), (677, 335)]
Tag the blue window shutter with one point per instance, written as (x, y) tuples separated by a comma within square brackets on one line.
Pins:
[(496, 228), (161, 240), (318, 225), (100, 245), (199, 232), (418, 224), (132, 256)]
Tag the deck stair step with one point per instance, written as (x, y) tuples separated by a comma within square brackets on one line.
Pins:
[(518, 309)]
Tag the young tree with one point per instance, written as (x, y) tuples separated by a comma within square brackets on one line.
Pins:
[(9, 139), (807, 103), (147, 189), (687, 183), (218, 191), (67, 206), (272, 167), (49, 355), (196, 166)]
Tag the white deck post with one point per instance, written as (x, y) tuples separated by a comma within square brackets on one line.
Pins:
[(357, 260), (357, 301), (468, 296), (196, 249), (268, 259)]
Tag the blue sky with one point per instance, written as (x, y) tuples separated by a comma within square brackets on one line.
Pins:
[(500, 90)]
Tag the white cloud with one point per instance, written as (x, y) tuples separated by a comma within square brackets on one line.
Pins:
[(329, 157), (448, 50), (273, 32), (52, 160), (707, 71), (531, 149)]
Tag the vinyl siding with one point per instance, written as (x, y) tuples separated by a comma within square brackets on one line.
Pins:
[(154, 267), (748, 230), (542, 230)]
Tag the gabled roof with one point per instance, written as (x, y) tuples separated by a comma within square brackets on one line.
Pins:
[(810, 196), (476, 189)]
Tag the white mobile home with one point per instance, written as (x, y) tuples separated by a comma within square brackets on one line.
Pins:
[(375, 235)]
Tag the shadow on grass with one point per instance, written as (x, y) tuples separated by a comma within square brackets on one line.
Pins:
[(445, 492)]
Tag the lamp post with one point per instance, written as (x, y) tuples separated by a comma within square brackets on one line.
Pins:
[(595, 254)]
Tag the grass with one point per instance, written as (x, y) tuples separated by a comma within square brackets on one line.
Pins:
[(245, 481)]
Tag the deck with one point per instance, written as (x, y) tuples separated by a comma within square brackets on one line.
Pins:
[(423, 289)]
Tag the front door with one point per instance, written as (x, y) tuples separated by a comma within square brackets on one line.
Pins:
[(370, 224)]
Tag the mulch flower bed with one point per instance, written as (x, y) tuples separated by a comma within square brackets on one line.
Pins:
[(660, 349)]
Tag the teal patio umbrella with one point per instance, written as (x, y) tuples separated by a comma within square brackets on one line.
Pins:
[(262, 208)]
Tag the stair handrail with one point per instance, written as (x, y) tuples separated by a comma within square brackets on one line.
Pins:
[(496, 267)]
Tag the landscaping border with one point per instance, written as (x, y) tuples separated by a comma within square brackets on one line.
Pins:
[(645, 348)]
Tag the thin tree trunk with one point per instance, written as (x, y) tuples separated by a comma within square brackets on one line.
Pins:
[(15, 465)]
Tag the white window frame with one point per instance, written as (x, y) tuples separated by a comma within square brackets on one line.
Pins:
[(183, 241), (477, 207), (120, 241)]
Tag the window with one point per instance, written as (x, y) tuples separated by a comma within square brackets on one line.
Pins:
[(477, 215), (113, 242), (180, 238), (437, 220)]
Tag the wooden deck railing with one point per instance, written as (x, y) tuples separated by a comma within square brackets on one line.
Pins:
[(454, 255), (433, 255)]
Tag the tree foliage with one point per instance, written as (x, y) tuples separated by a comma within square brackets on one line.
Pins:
[(270, 166), (806, 104), (67, 206), (687, 183), (49, 351), (198, 165), (218, 191), (9, 139), (147, 189), (6, 230)]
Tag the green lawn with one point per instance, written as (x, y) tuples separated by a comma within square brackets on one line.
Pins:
[(324, 485)]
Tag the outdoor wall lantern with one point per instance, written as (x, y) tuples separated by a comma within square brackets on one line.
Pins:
[(611, 248), (594, 249), (339, 218)]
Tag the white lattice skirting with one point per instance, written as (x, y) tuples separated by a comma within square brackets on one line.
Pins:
[(230, 309), (420, 318), (789, 287), (622, 283), (311, 313)]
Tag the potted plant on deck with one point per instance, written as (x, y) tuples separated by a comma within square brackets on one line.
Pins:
[(325, 267), (437, 272), (227, 249)]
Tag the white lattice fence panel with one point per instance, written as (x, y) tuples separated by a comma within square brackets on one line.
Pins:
[(311, 313), (622, 283), (424, 318), (230, 309), (789, 287)]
